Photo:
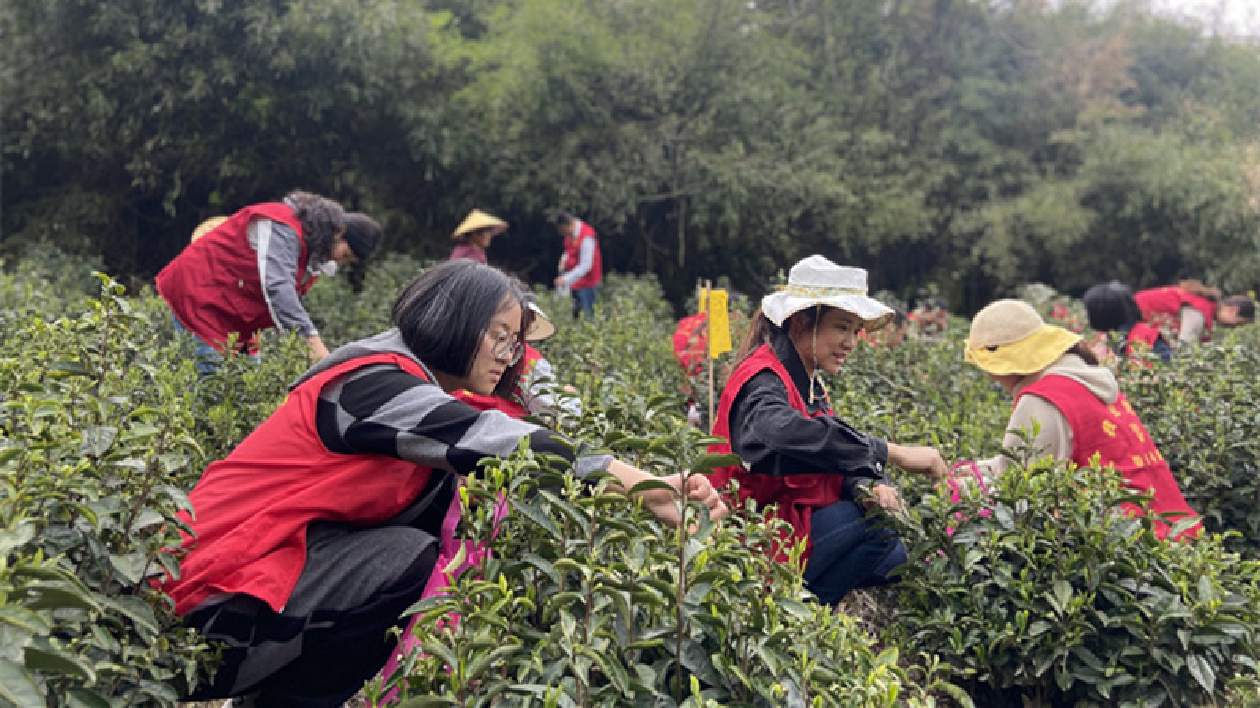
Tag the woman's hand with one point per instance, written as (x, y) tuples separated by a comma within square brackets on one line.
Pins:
[(664, 503), (885, 496), (315, 348), (1102, 352), (918, 458)]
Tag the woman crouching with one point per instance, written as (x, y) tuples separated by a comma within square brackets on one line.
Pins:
[(319, 529), (796, 454), (1074, 405)]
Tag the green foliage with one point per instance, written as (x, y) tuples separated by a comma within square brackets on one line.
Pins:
[(1208, 427), (96, 450), (148, 117), (1057, 599), (587, 600), (980, 145), (622, 357), (43, 281), (344, 313), (922, 393), (103, 430), (584, 603)]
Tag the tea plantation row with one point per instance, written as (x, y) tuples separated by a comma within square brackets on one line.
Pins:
[(1049, 599)]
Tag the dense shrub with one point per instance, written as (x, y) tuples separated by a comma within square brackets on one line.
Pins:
[(96, 450), (42, 281), (584, 604), (356, 306), (922, 393), (104, 426), (1054, 598), (1204, 413), (625, 350)]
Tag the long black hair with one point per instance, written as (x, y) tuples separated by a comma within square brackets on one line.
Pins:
[(1111, 307), (507, 383), (443, 315), (763, 331), (322, 219), (1246, 307)]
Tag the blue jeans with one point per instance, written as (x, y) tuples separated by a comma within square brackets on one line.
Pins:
[(848, 552), (584, 301), (207, 358)]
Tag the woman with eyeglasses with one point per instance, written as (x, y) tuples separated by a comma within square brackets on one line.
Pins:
[(315, 534), (535, 390)]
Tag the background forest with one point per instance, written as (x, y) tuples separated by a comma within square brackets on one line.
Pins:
[(974, 144)]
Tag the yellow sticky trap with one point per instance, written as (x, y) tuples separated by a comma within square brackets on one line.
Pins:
[(719, 324)]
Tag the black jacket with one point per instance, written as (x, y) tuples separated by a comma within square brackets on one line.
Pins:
[(773, 438)]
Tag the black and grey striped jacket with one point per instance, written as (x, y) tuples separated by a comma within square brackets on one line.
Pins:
[(381, 409)]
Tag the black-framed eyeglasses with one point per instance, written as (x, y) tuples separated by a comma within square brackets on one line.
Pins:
[(507, 347)]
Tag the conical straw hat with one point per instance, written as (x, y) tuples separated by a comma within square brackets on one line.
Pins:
[(477, 220), (207, 226)]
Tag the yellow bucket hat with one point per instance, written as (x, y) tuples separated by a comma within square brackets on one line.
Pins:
[(1009, 337), (477, 220)]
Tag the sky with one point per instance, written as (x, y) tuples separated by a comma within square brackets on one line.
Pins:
[(1236, 17)]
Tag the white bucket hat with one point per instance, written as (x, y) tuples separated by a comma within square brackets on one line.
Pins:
[(818, 281), (541, 328)]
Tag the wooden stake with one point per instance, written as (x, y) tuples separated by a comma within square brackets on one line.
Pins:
[(708, 289)]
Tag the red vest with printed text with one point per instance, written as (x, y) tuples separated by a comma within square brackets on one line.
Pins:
[(573, 255), (1117, 436), (795, 496), (1163, 306), (510, 406), (253, 507), (213, 285)]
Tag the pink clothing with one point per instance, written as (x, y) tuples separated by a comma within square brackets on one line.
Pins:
[(445, 572), (469, 251)]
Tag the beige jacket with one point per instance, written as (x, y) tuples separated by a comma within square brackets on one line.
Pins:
[(1055, 435)]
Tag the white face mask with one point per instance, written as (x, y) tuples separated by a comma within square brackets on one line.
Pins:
[(328, 268)]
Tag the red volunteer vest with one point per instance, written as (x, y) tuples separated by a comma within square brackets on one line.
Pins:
[(510, 406), (1116, 434), (1163, 306), (213, 286), (1144, 333), (795, 496), (691, 343), (253, 507), (573, 253)]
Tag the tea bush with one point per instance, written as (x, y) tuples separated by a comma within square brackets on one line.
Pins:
[(1056, 599), (103, 429), (1204, 412), (104, 426), (344, 313), (624, 350), (583, 603), (43, 281), (96, 450)]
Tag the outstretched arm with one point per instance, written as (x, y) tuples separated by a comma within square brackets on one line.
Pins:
[(384, 410)]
